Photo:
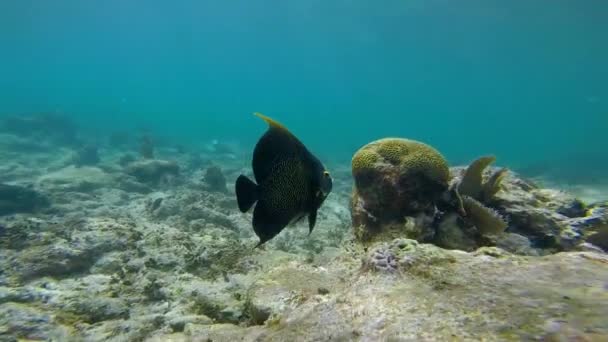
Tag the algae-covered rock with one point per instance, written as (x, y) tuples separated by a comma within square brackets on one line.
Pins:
[(395, 178), (19, 321), (550, 220), (87, 155), (438, 294), (539, 214), (130, 184), (282, 290), (76, 179), (178, 322), (213, 301), (516, 243), (94, 308), (65, 249), (215, 179), (452, 232), (19, 199), (223, 332), (16, 145), (152, 171), (57, 129)]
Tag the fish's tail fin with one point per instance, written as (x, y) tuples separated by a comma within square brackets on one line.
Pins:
[(246, 193)]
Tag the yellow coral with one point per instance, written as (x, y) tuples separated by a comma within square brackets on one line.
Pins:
[(493, 184), (487, 221), (409, 155), (471, 184), (364, 159)]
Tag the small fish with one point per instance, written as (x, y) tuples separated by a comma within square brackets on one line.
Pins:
[(291, 183)]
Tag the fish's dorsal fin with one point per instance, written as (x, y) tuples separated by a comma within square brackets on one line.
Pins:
[(271, 122)]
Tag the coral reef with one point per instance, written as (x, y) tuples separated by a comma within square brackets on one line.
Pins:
[(395, 178), (433, 294), (404, 189), (119, 258), (466, 219)]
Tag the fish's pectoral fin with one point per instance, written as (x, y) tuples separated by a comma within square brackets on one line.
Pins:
[(312, 220), (246, 193)]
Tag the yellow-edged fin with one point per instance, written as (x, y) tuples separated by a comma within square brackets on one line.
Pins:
[(272, 123)]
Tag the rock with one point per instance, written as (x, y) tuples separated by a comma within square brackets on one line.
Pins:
[(126, 159), (200, 210), (535, 214), (138, 328), (558, 330), (453, 233), (178, 323), (76, 179), (119, 139), (516, 243), (87, 156), (161, 206), (19, 199), (446, 295), (50, 127), (402, 255), (19, 145), (61, 256), (109, 263), (129, 184), (146, 147), (214, 302), (56, 259), (28, 294), (19, 321), (223, 332), (152, 171), (215, 180), (282, 290), (430, 294), (93, 309)]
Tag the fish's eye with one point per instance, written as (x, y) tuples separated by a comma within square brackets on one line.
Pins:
[(326, 173)]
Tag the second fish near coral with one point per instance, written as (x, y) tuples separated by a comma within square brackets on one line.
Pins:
[(291, 183)]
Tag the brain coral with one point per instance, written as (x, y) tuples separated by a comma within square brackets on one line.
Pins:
[(409, 156), (396, 177)]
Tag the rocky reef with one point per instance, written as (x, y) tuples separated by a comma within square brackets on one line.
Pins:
[(153, 248), (41, 127), (20, 199), (405, 189)]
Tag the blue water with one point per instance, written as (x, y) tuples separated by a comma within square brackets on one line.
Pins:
[(525, 80)]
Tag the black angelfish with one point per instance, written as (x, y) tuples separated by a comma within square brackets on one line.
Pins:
[(291, 183)]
